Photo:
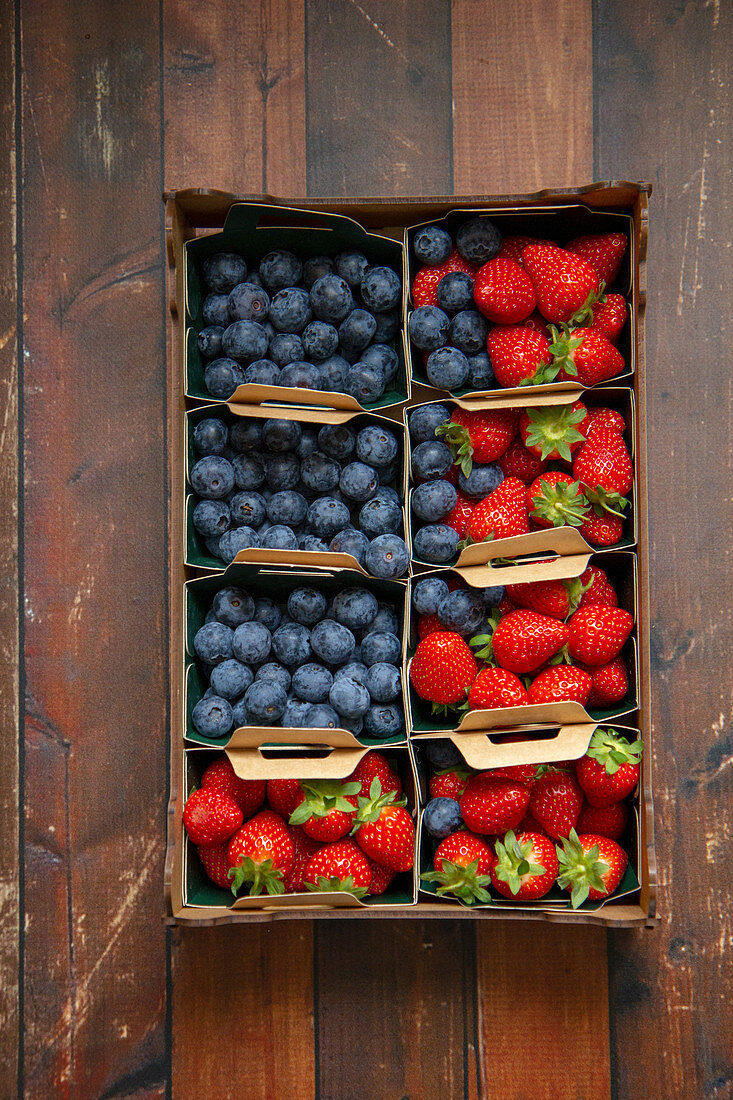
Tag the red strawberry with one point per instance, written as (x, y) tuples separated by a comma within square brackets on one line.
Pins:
[(449, 784), (384, 830), (506, 605), (597, 634), (526, 866), (491, 805), (604, 468), (519, 355), (609, 771), (262, 853), (502, 513), (462, 864), (375, 766), (478, 436), (556, 500), (586, 356), (460, 515), (443, 668), (555, 802), (609, 683), (305, 847), (284, 795), (607, 821), (609, 315), (591, 867), (249, 794), (560, 683), (494, 688), (524, 640), (517, 461), (597, 588), (513, 247), (529, 824), (429, 624), (216, 864), (210, 817), (554, 431), (381, 878), (339, 866), (425, 284), (326, 808), (605, 530), (503, 291), (603, 251), (602, 417), (558, 599), (563, 281)]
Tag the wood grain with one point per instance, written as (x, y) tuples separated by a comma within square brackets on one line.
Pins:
[(94, 537), (379, 115), (522, 95), (663, 113)]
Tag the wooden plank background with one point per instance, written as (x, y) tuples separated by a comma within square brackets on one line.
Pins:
[(105, 108)]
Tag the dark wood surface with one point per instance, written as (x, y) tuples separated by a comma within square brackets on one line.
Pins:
[(110, 107)]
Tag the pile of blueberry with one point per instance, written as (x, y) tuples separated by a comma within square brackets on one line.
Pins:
[(326, 324), (466, 611), (312, 663), (283, 486)]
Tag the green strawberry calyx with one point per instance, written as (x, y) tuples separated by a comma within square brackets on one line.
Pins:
[(612, 751), (605, 500), (370, 809), (581, 871), (575, 590), (458, 439), (562, 349), (546, 372), (514, 863), (464, 882), (583, 316), (562, 504), (553, 429), (321, 797), (261, 876), (335, 884)]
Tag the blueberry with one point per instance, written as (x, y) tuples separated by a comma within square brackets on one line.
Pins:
[(245, 341), (282, 471), (336, 441), (248, 508), (355, 608), (432, 245), (379, 647), (326, 516), (209, 341), (265, 701), (281, 435), (381, 289), (385, 492), (273, 671), (428, 328), (380, 357), (480, 371), (286, 348), (262, 373), (255, 278), (433, 500), (301, 376), (355, 669), (211, 518), (240, 715), (358, 481), (455, 292), (280, 269), (291, 644), (248, 302), (222, 376), (251, 643), (356, 330), (383, 720), (366, 384), (279, 537), (478, 240), (308, 443), (468, 332), (212, 717), (233, 606), (424, 420), (354, 725), (231, 679), (223, 270), (313, 544), (351, 265), (350, 541), (314, 268), (331, 299), (494, 595), (246, 436), (442, 817), (210, 436), (388, 325), (287, 508), (462, 611), (238, 538), (320, 473), (387, 557), (443, 754), (290, 310), (321, 716), (427, 595), (215, 311), (267, 612), (306, 605), (380, 517), (435, 543), (376, 445), (481, 481), (295, 712), (249, 473), (383, 682), (320, 340), (332, 642), (431, 460), (333, 372), (349, 698), (212, 477), (312, 682), (212, 545), (447, 368)]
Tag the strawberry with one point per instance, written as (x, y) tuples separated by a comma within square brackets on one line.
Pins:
[(326, 808), (249, 794), (506, 605), (502, 513), (211, 817), (375, 766), (304, 847), (554, 431), (513, 247), (604, 468), (585, 355), (381, 878), (591, 867), (555, 801), (609, 771), (602, 417), (603, 251), (556, 500), (216, 864), (520, 355), (462, 864), (384, 830), (493, 805), (284, 795), (261, 853), (494, 688), (609, 315), (560, 683), (517, 461), (339, 866), (597, 589), (425, 283), (443, 668), (607, 821), (605, 530), (558, 599), (428, 624), (563, 281), (526, 866), (524, 640), (461, 513), (609, 683), (597, 634), (478, 436), (449, 784), (538, 324), (503, 291)]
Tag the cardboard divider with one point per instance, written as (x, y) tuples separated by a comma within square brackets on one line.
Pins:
[(245, 746)]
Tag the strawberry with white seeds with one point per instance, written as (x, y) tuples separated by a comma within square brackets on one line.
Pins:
[(520, 356), (526, 866), (603, 251), (603, 530), (211, 817), (609, 683), (555, 801), (560, 684), (249, 794), (585, 355), (375, 766), (597, 589), (284, 795), (557, 598), (490, 805), (599, 416), (607, 821), (609, 316), (501, 514), (462, 865), (304, 847), (326, 808), (427, 625), (261, 854), (495, 688), (554, 431), (461, 513), (339, 867), (216, 864), (503, 291), (523, 640), (478, 436), (609, 771), (513, 247), (381, 878), (605, 471), (563, 281), (591, 867), (517, 461), (597, 634), (449, 784), (425, 283), (556, 500), (443, 668), (384, 830)]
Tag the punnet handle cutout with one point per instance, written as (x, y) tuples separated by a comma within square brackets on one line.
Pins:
[(564, 567), (245, 752), (252, 216), (519, 397), (326, 900), (535, 714), (480, 752), (298, 558), (248, 393)]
